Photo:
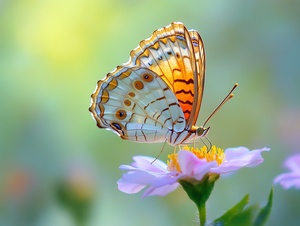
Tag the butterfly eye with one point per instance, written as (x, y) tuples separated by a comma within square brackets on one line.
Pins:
[(202, 132)]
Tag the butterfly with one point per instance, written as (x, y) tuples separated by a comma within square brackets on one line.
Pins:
[(156, 96)]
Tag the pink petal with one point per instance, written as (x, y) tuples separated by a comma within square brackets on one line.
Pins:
[(140, 176), (149, 164), (192, 166), (235, 153), (288, 180), (293, 162), (237, 158), (141, 173), (130, 188), (160, 191)]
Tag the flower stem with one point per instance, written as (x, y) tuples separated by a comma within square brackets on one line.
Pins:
[(199, 192), (202, 214)]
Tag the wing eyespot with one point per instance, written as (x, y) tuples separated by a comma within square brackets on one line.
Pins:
[(147, 77), (139, 85), (131, 94), (118, 128), (121, 114), (127, 102)]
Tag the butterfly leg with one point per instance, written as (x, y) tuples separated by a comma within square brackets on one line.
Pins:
[(179, 147), (174, 150), (161, 151), (208, 147)]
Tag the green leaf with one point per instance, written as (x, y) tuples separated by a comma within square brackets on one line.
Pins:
[(225, 218), (238, 216), (245, 217), (265, 211)]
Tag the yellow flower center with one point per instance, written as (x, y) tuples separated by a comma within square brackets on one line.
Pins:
[(215, 154)]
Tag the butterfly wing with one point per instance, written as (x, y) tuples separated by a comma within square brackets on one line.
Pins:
[(136, 104), (177, 56), (199, 52)]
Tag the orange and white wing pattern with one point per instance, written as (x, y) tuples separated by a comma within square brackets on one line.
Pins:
[(137, 105), (155, 96), (177, 56)]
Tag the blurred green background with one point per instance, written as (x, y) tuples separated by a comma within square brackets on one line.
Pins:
[(58, 168)]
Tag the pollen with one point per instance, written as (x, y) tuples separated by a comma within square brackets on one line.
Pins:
[(173, 164), (214, 154)]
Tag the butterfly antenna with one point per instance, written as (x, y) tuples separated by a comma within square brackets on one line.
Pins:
[(229, 96)]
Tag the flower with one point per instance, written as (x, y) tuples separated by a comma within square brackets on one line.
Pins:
[(290, 179), (187, 165)]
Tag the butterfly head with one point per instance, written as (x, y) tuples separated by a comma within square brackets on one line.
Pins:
[(202, 131)]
